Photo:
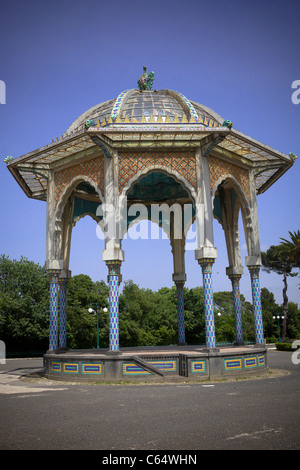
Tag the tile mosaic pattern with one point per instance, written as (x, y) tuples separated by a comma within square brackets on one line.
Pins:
[(53, 322), (117, 104), (74, 368), (235, 280), (190, 106), (93, 169), (180, 311), (113, 285), (206, 265), (56, 366), (71, 368), (92, 368), (218, 168), (198, 366), (256, 302), (182, 163), (63, 283), (261, 360), (130, 368), (167, 366), (232, 364), (246, 363), (134, 369), (250, 362)]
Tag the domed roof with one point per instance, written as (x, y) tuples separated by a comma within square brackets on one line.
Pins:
[(137, 106)]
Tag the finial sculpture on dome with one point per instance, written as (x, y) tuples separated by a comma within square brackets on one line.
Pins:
[(146, 80)]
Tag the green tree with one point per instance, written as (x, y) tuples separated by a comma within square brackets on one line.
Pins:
[(83, 293), (248, 320), (293, 323), (278, 260), (291, 248), (269, 309), (194, 316), (24, 304), (147, 318), (225, 323)]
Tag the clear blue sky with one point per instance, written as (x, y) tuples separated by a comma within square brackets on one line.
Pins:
[(60, 58)]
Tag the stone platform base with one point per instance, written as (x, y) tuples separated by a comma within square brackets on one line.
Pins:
[(155, 363)]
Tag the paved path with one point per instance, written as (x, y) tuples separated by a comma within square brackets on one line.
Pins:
[(245, 414)]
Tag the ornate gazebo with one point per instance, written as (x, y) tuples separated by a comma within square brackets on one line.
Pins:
[(152, 154)]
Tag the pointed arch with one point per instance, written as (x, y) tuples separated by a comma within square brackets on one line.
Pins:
[(231, 224), (70, 187), (171, 174)]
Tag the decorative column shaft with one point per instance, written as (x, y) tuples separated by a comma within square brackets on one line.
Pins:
[(180, 311), (63, 313), (256, 301), (53, 321), (235, 280), (113, 284), (206, 265)]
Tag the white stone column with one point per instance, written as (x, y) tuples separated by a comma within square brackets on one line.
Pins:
[(205, 253)]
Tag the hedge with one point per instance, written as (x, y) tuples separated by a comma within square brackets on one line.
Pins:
[(286, 346)]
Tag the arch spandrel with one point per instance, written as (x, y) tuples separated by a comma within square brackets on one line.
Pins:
[(182, 165), (91, 171), (220, 169)]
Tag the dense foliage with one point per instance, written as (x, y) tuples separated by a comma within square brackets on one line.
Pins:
[(283, 259), (146, 317), (24, 304)]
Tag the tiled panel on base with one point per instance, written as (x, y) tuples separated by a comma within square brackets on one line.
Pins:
[(202, 366), (261, 360), (78, 368), (245, 363), (166, 364), (135, 369), (71, 368), (233, 364), (89, 368), (198, 366), (130, 368), (56, 367)]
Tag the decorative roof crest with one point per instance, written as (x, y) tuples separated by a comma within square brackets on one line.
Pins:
[(8, 159), (145, 81)]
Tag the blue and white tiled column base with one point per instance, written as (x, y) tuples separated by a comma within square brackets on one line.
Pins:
[(256, 302), (63, 313), (235, 280), (180, 311), (113, 284), (53, 320)]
